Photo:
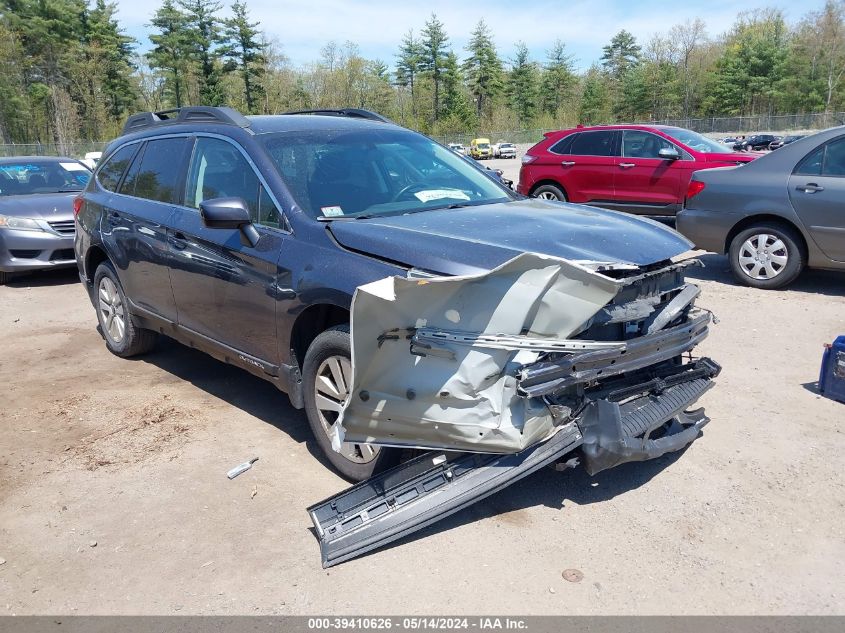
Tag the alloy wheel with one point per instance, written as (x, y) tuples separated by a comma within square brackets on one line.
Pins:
[(331, 390), (546, 195), (111, 310), (763, 256)]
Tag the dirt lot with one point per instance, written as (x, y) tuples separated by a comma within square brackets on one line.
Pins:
[(114, 499)]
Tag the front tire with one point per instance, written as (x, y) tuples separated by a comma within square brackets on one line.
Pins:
[(549, 192), (123, 338), (4, 277), (766, 256), (327, 378)]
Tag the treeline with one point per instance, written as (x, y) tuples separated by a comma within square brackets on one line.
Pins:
[(68, 72)]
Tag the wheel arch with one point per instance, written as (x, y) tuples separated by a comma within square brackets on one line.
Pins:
[(548, 181), (95, 256), (766, 218), (310, 323)]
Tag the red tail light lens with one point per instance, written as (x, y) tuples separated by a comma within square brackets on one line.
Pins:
[(695, 188), (77, 205)]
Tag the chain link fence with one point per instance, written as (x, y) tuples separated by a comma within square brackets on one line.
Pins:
[(760, 123), (712, 125), (73, 150)]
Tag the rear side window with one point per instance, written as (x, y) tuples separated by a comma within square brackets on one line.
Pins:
[(594, 144), (827, 160), (158, 170), (109, 174), (563, 145)]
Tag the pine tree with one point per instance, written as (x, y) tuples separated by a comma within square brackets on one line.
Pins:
[(434, 43), (203, 32), (522, 84), (483, 68), (456, 108), (116, 50), (408, 65), (621, 54), (245, 52), (171, 49), (559, 80)]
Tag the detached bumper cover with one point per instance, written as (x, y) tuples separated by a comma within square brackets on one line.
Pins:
[(433, 486)]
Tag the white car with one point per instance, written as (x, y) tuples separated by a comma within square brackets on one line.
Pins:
[(504, 150), (458, 148), (91, 159)]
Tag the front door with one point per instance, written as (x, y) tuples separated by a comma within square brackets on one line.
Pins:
[(817, 193), (645, 181), (225, 288)]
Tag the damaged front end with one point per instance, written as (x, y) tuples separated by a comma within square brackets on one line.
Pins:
[(515, 367)]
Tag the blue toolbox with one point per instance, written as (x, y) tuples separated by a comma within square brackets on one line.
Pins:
[(832, 376)]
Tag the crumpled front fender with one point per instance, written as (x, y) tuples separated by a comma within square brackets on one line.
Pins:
[(462, 397)]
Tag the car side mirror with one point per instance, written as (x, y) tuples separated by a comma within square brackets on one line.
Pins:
[(669, 153), (229, 213)]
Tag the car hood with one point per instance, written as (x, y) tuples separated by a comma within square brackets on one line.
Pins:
[(474, 239), (45, 206)]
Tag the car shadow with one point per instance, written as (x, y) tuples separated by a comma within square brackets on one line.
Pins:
[(716, 268), (44, 278), (549, 488), (259, 398)]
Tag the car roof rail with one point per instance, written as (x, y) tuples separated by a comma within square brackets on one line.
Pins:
[(187, 114), (357, 113)]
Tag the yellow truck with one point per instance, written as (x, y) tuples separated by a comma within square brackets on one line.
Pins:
[(480, 148)]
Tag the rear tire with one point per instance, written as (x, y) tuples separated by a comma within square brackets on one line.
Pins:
[(549, 192), (767, 256), (326, 375), (4, 278), (123, 338)]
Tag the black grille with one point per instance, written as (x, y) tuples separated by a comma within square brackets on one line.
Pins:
[(65, 227), (21, 254), (62, 254)]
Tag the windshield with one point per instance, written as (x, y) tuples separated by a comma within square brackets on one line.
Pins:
[(696, 141), (42, 176), (354, 173)]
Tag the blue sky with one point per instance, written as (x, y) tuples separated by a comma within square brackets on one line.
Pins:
[(377, 26)]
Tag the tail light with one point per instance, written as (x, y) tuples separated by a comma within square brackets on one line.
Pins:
[(528, 158), (77, 205), (695, 187)]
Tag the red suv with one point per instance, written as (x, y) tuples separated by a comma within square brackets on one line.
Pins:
[(642, 169)]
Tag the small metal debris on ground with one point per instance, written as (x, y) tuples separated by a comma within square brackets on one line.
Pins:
[(241, 468), (254, 492), (92, 544), (573, 575), (2, 561)]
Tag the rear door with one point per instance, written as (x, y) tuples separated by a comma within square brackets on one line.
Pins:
[(587, 171), (651, 184), (817, 193), (135, 223), (225, 288)]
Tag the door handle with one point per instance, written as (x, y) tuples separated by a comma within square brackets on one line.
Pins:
[(178, 240), (567, 163), (810, 187), (626, 165)]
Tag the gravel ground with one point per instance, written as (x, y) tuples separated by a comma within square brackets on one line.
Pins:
[(114, 499)]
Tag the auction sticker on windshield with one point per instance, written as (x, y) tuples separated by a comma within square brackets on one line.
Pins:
[(438, 194), (331, 212)]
